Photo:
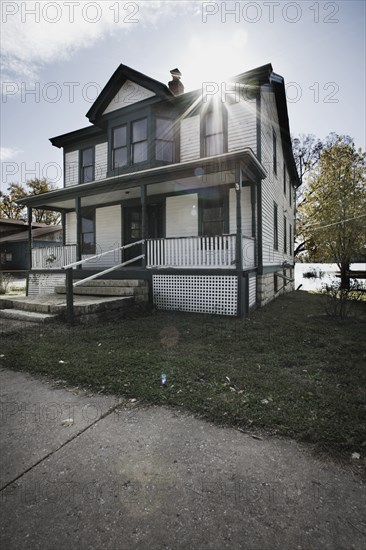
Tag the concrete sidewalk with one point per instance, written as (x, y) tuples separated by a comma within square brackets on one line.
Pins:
[(94, 472)]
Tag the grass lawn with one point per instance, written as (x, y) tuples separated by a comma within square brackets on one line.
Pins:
[(287, 370)]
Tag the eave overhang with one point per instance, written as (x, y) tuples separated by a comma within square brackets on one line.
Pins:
[(245, 158)]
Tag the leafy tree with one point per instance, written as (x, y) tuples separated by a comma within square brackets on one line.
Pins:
[(10, 209), (307, 150), (333, 210)]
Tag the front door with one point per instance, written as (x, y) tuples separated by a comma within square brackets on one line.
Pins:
[(132, 216)]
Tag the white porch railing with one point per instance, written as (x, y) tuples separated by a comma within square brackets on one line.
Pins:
[(248, 252), (181, 252), (192, 252), (53, 257)]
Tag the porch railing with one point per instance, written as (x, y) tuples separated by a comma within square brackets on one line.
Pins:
[(199, 252), (192, 252), (53, 257), (248, 252)]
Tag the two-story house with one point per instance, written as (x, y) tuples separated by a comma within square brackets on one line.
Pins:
[(200, 185)]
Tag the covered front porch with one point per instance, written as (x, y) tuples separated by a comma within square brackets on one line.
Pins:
[(189, 229), (191, 215)]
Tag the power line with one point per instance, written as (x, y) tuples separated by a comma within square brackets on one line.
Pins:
[(334, 223)]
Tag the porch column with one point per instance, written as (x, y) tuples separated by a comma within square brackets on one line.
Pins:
[(63, 223), (143, 223), (30, 238), (239, 248), (78, 228), (254, 220)]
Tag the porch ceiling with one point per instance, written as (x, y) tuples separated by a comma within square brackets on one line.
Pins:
[(193, 174)]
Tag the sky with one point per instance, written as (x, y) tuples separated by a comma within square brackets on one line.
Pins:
[(57, 56)]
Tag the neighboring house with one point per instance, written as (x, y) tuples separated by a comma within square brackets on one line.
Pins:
[(14, 243), (203, 182)]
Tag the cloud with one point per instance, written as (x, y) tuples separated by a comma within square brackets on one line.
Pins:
[(38, 33), (8, 153)]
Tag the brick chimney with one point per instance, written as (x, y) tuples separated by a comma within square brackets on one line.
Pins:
[(175, 85)]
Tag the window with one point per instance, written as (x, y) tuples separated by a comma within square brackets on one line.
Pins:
[(290, 191), (275, 282), (284, 179), (290, 238), (164, 144), (284, 235), (119, 147), (139, 141), (88, 231), (213, 134), (213, 220), (274, 146), (275, 226), (87, 165)]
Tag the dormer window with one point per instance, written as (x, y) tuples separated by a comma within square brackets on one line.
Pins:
[(164, 144), (87, 165), (119, 147)]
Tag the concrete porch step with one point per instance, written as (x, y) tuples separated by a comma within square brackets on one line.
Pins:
[(56, 305), (115, 283), (137, 291), (22, 315)]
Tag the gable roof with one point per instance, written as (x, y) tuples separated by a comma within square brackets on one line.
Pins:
[(114, 84)]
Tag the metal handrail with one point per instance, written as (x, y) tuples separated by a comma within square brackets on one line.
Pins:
[(108, 270), (80, 262), (70, 284)]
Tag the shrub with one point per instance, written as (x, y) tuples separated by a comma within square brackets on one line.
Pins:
[(5, 280), (339, 301)]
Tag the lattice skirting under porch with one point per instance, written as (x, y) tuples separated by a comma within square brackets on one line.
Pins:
[(196, 293)]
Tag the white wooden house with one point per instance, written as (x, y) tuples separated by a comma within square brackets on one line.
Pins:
[(201, 183)]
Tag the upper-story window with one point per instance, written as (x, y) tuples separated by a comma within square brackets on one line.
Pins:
[(139, 141), (214, 133), (119, 146), (87, 165), (284, 179), (274, 147), (164, 144)]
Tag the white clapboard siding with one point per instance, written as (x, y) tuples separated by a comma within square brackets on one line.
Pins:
[(190, 138), (252, 290), (101, 152), (70, 229), (182, 215), (246, 211), (272, 185), (242, 126), (128, 94), (108, 235), (71, 176)]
